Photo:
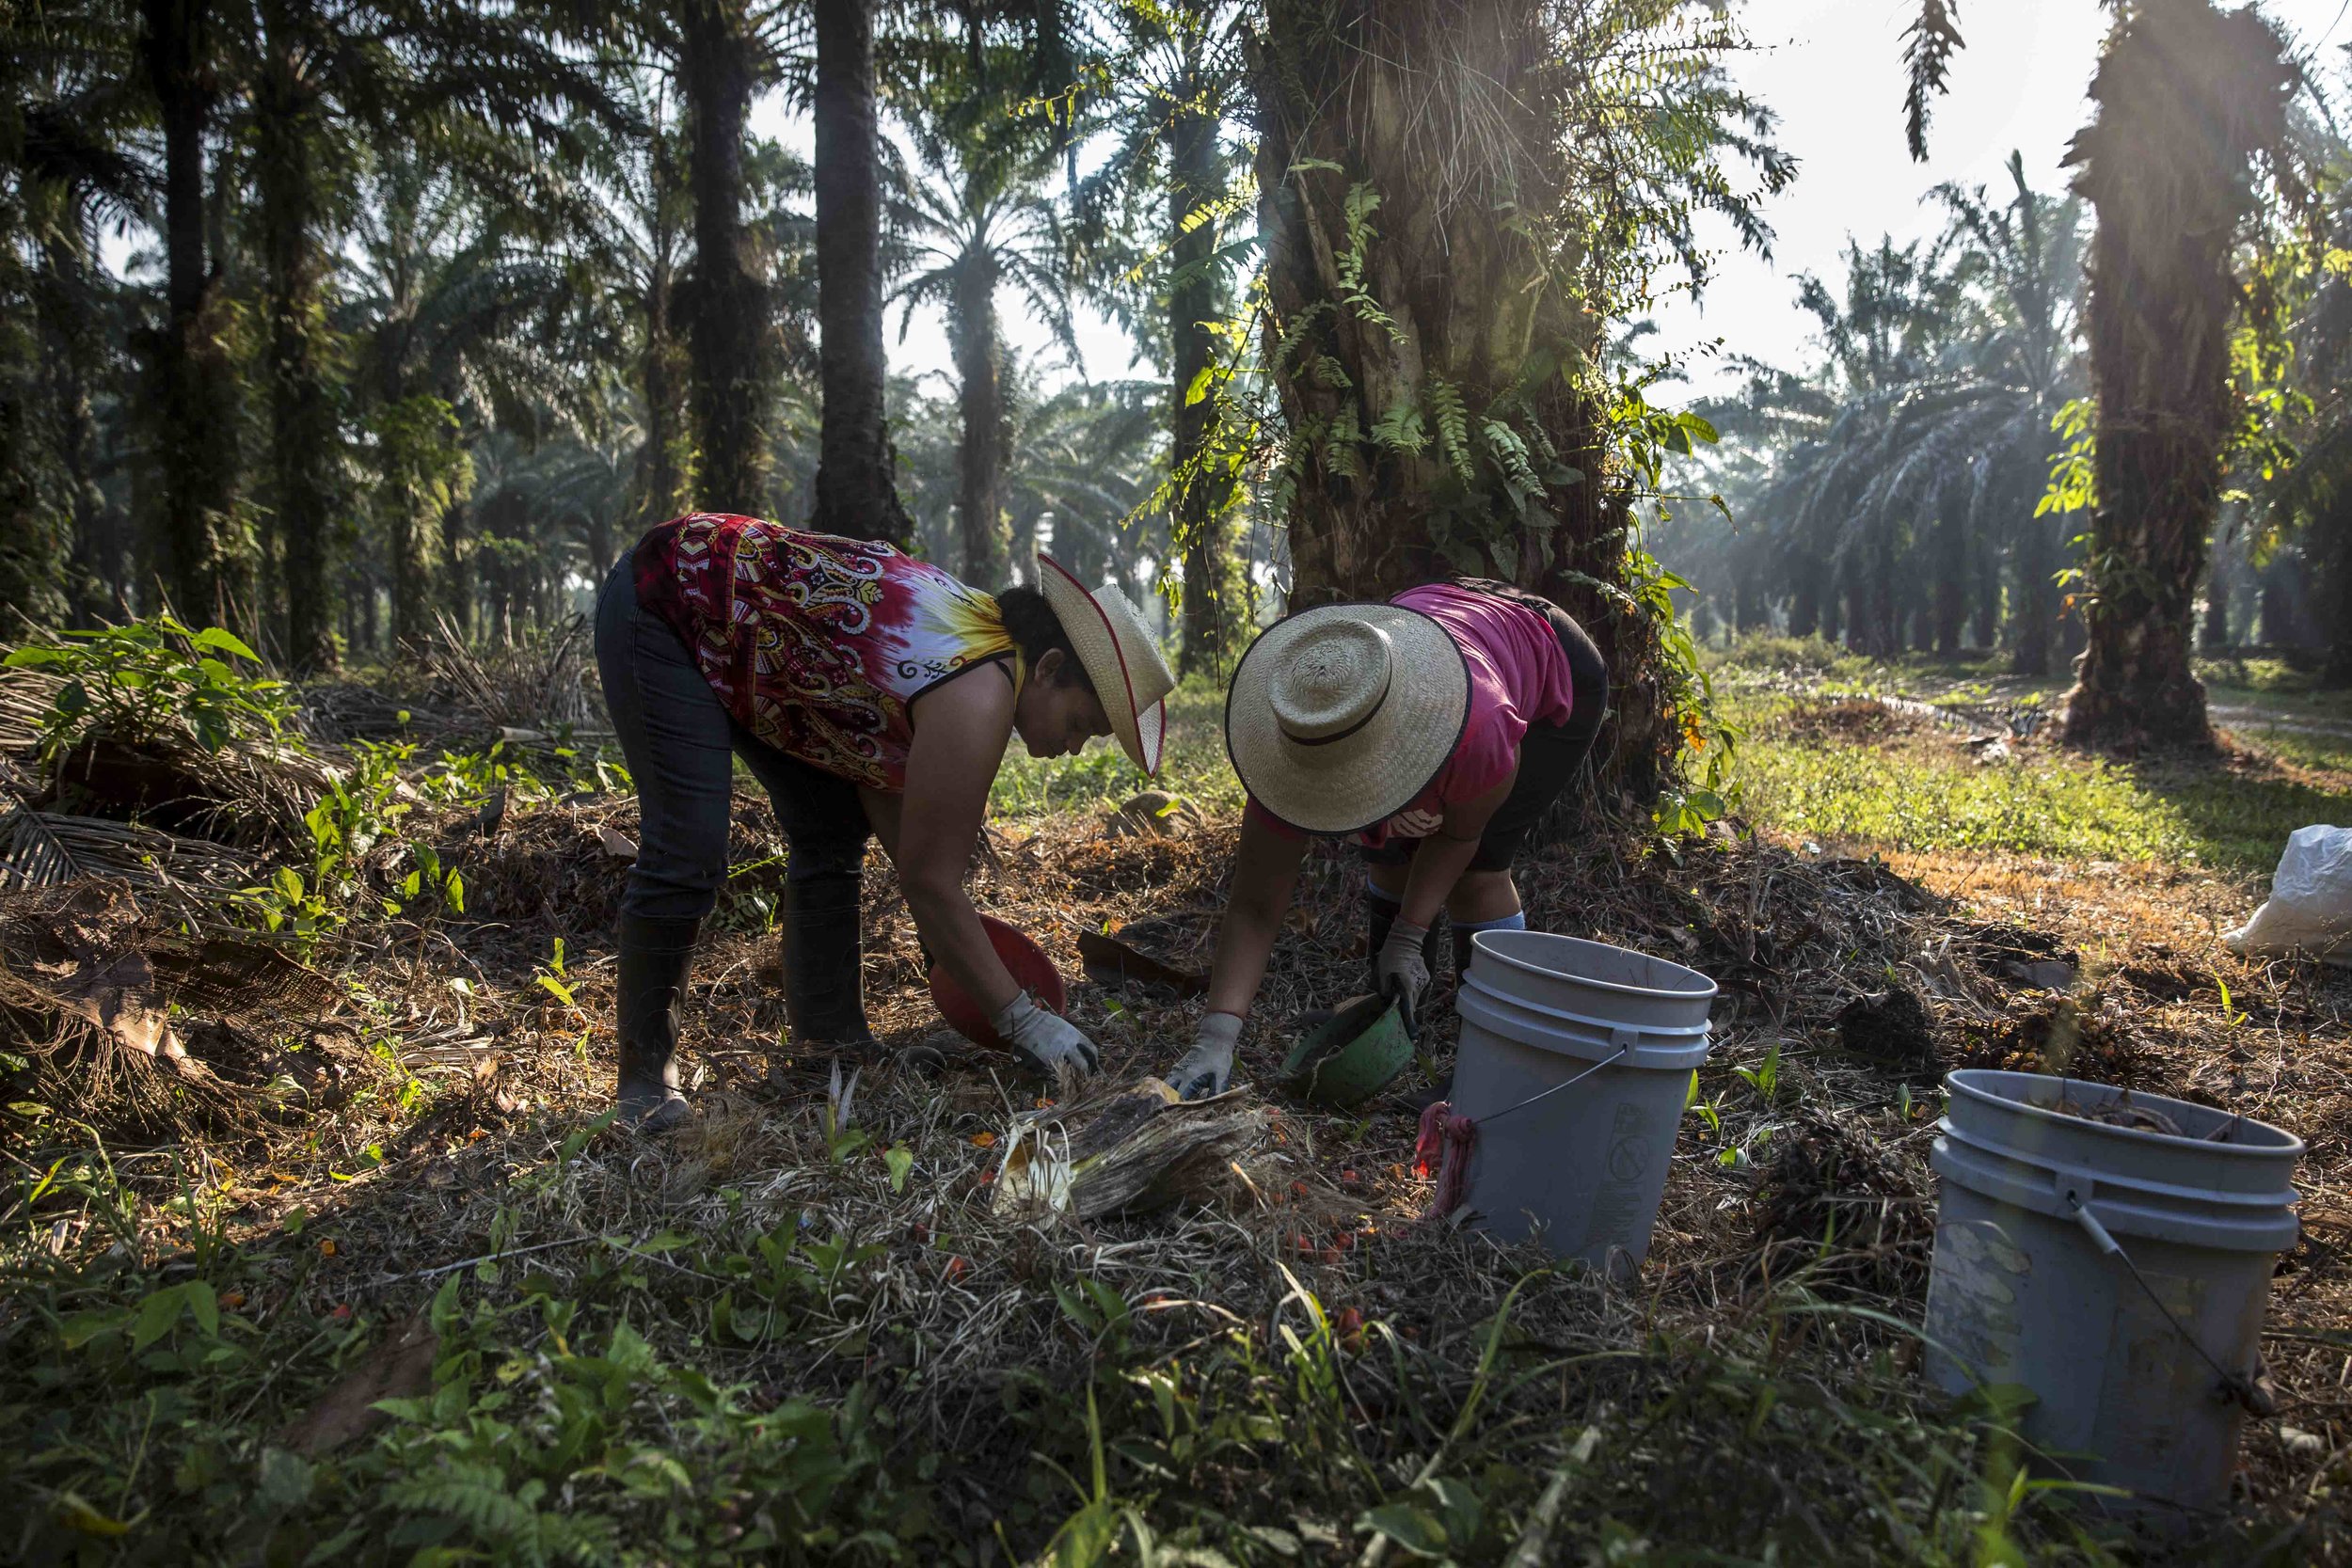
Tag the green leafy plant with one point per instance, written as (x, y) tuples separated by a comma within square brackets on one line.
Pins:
[(153, 680)]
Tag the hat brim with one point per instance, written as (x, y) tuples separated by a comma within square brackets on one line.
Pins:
[(1350, 784), (1141, 729)]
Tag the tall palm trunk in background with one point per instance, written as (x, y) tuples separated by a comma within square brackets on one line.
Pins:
[(93, 574), (304, 423), (2188, 98), (1205, 492), (193, 385), (665, 459), (1412, 301), (728, 309), (858, 491), (2214, 638), (972, 328)]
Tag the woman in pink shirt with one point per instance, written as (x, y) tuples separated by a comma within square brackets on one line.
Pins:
[(1433, 731)]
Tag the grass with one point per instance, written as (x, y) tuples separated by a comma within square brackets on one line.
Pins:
[(791, 1335), (1912, 787), (1194, 766)]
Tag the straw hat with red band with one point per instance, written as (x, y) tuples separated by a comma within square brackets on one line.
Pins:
[(1118, 655)]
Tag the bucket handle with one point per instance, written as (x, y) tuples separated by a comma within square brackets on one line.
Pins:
[(1625, 1043), (2249, 1394)]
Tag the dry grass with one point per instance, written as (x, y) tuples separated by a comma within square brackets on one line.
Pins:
[(459, 1127)]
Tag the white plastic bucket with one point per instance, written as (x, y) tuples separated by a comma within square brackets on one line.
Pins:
[(1582, 1168), (2025, 1291)]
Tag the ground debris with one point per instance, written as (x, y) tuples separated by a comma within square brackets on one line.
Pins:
[(399, 1367), (1892, 1027), (1850, 1204)]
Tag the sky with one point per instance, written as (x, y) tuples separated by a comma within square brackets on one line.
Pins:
[(1832, 70)]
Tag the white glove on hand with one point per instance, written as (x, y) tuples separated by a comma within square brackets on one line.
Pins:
[(1402, 971), (1208, 1065), (1049, 1044)]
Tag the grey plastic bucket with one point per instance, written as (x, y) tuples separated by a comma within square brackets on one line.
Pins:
[(1582, 1168), (2025, 1291)]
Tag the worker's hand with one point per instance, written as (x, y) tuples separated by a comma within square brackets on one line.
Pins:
[(1049, 1045), (1208, 1065), (1402, 971)]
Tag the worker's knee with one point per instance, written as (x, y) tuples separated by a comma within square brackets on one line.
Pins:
[(1482, 896), (828, 854)]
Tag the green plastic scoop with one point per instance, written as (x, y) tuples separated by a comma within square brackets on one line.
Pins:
[(1351, 1057)]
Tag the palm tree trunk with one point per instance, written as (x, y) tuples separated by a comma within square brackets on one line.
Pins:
[(2215, 637), (1465, 296), (1984, 563), (980, 456), (726, 302), (1805, 605), (304, 428), (2188, 98), (665, 458), (1204, 495), (192, 384), (1951, 613), (2033, 610), (856, 484)]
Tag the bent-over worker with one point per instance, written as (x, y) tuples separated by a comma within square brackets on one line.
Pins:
[(1433, 731), (869, 693)]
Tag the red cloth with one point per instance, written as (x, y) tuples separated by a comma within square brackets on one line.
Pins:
[(1443, 1151), (1518, 676)]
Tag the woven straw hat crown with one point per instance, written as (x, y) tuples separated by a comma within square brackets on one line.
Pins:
[(1335, 678), (1340, 716)]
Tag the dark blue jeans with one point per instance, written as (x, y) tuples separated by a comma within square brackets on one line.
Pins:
[(681, 743)]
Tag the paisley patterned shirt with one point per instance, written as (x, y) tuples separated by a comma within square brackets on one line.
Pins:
[(817, 644)]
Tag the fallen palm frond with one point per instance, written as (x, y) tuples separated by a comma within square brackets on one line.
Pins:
[(524, 680), (1132, 1152), (40, 849)]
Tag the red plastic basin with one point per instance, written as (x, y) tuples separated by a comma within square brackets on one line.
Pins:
[(1032, 970)]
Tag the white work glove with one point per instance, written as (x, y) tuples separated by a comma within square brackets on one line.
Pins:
[(1047, 1043), (1208, 1065), (1401, 969)]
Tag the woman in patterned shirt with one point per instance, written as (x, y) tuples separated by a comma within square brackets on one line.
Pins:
[(870, 694)]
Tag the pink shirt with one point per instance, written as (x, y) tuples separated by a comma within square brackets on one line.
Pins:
[(1518, 676)]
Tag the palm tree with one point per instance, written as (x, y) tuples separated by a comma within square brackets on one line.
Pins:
[(2190, 101), (979, 221), (729, 310), (2191, 109), (453, 314), (1152, 219), (1452, 201), (484, 92), (201, 551), (65, 131), (855, 490)]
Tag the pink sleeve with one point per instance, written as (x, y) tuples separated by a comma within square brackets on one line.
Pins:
[(1489, 754)]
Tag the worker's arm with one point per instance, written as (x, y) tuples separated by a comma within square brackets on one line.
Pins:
[(1401, 965), (1266, 872), (959, 744), (961, 730), (1444, 855)]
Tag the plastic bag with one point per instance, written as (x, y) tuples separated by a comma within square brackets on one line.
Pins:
[(2310, 908)]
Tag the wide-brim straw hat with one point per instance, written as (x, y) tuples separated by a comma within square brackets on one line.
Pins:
[(1340, 716), (1118, 655)]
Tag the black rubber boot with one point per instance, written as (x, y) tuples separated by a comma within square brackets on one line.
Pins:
[(824, 991), (1379, 918), (655, 955)]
